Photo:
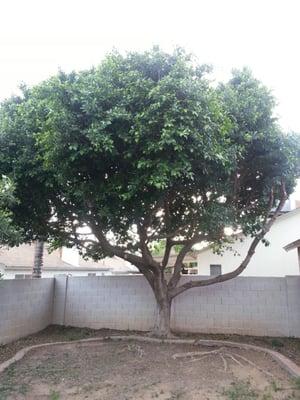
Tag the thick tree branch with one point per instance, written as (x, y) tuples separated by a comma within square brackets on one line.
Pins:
[(146, 254), (179, 260), (98, 231), (175, 291), (83, 242), (166, 257), (112, 249), (118, 251)]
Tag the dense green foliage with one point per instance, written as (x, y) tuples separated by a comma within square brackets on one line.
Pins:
[(9, 234), (111, 146)]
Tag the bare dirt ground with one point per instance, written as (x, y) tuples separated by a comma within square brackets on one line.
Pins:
[(290, 347), (130, 370)]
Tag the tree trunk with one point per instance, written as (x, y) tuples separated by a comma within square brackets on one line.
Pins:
[(38, 259), (162, 324)]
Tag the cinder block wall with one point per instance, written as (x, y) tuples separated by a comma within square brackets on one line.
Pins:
[(115, 302), (245, 305), (60, 300), (293, 300), (25, 307)]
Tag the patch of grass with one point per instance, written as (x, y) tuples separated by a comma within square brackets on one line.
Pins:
[(54, 395), (267, 396), (70, 334), (11, 384), (275, 387), (5, 390), (296, 383), (10, 387), (240, 391), (277, 343), (176, 394), (22, 388), (11, 371)]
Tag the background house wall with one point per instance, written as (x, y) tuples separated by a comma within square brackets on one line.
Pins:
[(272, 260), (23, 255), (19, 261), (115, 264)]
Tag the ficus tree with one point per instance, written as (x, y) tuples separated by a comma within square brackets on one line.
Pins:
[(145, 148), (10, 235)]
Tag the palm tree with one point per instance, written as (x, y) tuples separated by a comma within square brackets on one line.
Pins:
[(38, 259)]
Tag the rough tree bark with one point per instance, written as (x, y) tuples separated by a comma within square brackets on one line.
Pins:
[(162, 324), (38, 259)]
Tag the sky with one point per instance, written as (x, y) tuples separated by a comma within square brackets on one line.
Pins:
[(39, 37)]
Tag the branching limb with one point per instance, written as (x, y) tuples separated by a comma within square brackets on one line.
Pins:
[(166, 257), (175, 291), (97, 230), (169, 235), (180, 258), (120, 252), (146, 254)]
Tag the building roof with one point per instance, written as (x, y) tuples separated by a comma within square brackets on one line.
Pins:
[(292, 245), (66, 268), (21, 258)]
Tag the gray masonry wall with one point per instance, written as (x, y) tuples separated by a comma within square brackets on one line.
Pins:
[(245, 305), (25, 307), (59, 300), (115, 302), (293, 300)]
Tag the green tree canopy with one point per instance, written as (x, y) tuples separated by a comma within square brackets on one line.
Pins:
[(144, 148), (9, 234)]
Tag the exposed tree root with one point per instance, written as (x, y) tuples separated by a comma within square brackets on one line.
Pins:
[(199, 355), (234, 359), (194, 353), (254, 365), (158, 335), (197, 359), (224, 362)]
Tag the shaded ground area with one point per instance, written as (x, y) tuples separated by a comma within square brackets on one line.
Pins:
[(134, 370), (290, 347)]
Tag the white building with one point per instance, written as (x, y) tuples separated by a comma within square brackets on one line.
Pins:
[(17, 263), (272, 260)]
